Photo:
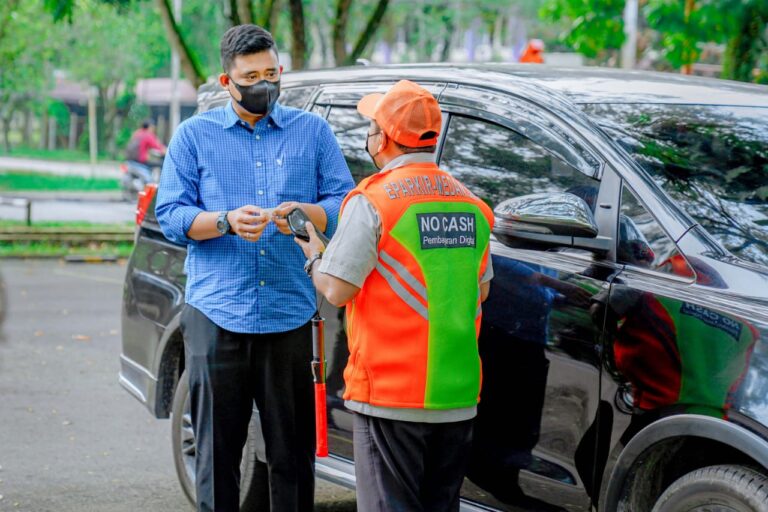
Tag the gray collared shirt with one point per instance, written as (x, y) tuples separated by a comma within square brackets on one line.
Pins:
[(352, 255)]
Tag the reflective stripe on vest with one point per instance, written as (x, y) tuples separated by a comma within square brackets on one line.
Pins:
[(398, 357)]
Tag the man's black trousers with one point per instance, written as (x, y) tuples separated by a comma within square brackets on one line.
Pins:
[(227, 372), (404, 466)]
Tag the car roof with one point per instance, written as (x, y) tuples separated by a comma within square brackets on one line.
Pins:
[(579, 85)]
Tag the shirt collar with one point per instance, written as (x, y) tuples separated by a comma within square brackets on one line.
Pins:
[(231, 118), (410, 158)]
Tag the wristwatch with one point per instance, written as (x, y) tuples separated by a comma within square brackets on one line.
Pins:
[(222, 224), (311, 261)]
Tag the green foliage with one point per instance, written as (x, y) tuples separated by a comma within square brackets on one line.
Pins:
[(133, 119), (680, 37), (60, 112), (596, 26), (60, 9)]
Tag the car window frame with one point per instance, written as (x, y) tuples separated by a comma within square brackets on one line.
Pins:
[(609, 181), (463, 99), (638, 269)]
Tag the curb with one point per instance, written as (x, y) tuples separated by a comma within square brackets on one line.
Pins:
[(77, 258), (77, 197), (107, 258)]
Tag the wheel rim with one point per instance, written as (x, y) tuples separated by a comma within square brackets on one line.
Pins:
[(188, 447)]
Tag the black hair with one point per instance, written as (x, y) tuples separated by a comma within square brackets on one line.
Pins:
[(147, 123), (244, 40), (408, 149)]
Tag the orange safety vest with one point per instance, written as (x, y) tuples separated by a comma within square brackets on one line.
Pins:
[(413, 327)]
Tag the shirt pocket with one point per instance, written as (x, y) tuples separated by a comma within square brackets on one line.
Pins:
[(296, 180)]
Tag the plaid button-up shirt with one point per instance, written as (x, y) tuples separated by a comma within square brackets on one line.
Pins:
[(216, 162)]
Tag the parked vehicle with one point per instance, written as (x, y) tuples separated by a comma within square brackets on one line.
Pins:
[(625, 365)]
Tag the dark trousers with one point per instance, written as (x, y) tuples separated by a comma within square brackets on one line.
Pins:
[(403, 466), (227, 372)]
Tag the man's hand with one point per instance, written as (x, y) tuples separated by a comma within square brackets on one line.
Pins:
[(314, 246), (248, 222), (280, 213)]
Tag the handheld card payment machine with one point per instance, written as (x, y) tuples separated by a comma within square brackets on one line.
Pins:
[(296, 222)]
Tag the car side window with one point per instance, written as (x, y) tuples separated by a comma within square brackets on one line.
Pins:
[(351, 130), (295, 96), (497, 163), (643, 243)]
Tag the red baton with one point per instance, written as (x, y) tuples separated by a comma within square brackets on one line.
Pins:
[(318, 374)]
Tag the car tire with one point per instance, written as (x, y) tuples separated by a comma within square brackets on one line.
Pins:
[(727, 488), (254, 481)]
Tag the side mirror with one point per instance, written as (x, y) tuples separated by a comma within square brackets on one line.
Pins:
[(546, 220)]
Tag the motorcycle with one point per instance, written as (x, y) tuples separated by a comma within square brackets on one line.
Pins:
[(135, 176)]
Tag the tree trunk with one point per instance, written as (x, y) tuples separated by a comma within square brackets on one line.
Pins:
[(6, 135), (26, 135), (340, 31), (299, 31), (267, 17), (232, 12), (189, 63), (743, 50), (450, 27), (245, 11), (688, 50), (370, 30), (44, 130)]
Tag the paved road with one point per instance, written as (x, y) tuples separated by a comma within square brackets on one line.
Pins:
[(71, 440), (58, 206), (98, 210)]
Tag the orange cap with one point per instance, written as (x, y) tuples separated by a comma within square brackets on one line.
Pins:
[(407, 113)]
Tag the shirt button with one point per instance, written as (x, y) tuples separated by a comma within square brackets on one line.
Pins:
[(262, 252), (261, 283), (261, 192), (258, 164), (258, 137)]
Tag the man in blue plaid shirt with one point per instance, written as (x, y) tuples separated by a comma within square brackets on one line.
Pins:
[(230, 176)]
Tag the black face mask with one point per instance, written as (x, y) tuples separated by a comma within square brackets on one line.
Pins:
[(259, 99), (373, 157)]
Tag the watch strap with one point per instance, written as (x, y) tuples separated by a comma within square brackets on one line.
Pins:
[(311, 261)]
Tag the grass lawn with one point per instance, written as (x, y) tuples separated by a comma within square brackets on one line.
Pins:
[(46, 226), (48, 250), (13, 181), (64, 155)]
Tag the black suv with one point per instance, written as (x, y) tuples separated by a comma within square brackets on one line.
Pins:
[(624, 341)]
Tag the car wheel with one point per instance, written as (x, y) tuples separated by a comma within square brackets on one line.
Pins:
[(254, 483), (727, 488)]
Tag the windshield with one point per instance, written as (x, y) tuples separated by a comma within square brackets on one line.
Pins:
[(712, 160)]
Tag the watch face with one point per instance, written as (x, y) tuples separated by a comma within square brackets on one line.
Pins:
[(221, 224)]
